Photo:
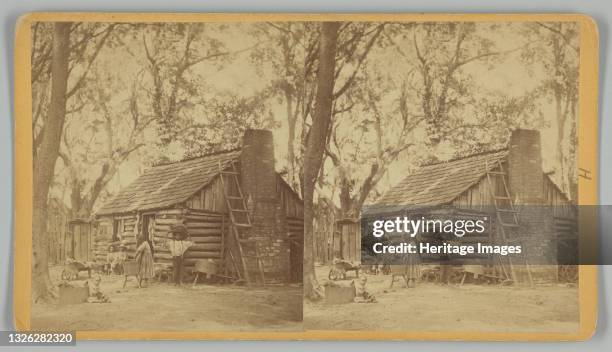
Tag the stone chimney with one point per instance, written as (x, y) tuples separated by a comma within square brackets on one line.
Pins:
[(259, 182), (257, 163), (526, 183), (525, 176)]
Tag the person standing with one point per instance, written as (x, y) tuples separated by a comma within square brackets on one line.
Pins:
[(118, 259), (178, 245), (413, 266), (110, 259), (144, 258)]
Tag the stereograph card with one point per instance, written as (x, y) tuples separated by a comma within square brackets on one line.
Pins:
[(306, 176)]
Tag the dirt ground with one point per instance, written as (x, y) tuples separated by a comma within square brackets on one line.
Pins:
[(428, 307), (162, 306), (432, 307)]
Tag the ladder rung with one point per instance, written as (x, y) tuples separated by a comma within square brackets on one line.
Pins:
[(242, 225), (502, 197), (233, 197), (239, 210), (229, 173), (497, 173), (505, 224)]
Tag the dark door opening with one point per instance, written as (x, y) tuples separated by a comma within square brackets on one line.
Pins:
[(148, 221), (296, 258)]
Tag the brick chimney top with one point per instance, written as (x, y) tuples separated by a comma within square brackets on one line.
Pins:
[(257, 160), (526, 179)]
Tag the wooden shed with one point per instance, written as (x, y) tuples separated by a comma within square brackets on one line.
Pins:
[(341, 240), (78, 242), (236, 207)]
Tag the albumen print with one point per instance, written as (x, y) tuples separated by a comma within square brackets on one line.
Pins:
[(222, 175), (174, 202)]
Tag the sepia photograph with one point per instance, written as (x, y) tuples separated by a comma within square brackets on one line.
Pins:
[(432, 118), (166, 195), (220, 176)]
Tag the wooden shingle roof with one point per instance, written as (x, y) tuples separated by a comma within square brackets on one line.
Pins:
[(440, 183), (166, 185)]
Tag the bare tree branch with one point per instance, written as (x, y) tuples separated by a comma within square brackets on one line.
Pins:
[(360, 61), (81, 80), (561, 34)]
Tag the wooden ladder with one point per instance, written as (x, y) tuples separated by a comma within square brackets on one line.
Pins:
[(506, 213), (240, 221)]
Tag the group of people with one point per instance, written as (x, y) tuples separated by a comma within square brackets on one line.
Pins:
[(177, 245)]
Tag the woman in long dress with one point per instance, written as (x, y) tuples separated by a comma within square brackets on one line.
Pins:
[(144, 258), (413, 267)]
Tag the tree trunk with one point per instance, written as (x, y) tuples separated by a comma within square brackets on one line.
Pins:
[(76, 197), (291, 122), (346, 201), (572, 174), (289, 93), (315, 146), (559, 90), (44, 164), (82, 203)]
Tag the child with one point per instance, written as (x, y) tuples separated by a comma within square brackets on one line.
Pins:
[(118, 259), (110, 258), (95, 293), (361, 293), (178, 245)]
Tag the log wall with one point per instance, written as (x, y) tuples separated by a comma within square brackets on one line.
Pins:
[(128, 236), (102, 239), (103, 236), (205, 229), (295, 226)]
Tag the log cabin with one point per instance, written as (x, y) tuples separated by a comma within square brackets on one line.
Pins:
[(507, 186), (237, 208)]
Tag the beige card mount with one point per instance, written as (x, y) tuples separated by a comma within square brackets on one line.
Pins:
[(159, 165)]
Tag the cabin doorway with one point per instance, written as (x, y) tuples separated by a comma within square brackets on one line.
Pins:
[(117, 230), (148, 221), (148, 232), (296, 259)]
